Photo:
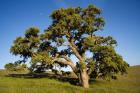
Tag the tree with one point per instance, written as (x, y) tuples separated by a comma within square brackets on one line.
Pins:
[(16, 66), (72, 32), (9, 66)]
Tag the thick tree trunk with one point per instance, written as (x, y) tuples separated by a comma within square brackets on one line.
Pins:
[(84, 78), (82, 75)]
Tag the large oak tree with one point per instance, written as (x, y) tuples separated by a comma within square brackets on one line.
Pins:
[(73, 33)]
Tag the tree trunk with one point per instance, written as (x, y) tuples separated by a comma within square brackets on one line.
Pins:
[(84, 78)]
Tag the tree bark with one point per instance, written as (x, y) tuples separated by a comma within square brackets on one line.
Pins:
[(82, 74), (84, 78)]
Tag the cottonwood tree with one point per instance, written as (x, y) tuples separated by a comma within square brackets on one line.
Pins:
[(73, 33)]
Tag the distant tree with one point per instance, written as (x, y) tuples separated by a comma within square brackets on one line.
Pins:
[(9, 66), (15, 67), (72, 33)]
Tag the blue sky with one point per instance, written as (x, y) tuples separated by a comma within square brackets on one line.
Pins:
[(122, 22)]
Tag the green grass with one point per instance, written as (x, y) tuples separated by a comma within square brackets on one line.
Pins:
[(129, 83)]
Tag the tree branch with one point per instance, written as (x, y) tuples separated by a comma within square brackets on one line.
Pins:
[(67, 58), (74, 49), (64, 60), (60, 60)]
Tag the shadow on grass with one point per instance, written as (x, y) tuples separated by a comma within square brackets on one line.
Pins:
[(73, 81)]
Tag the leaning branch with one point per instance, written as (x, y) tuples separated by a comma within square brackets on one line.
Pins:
[(65, 60), (74, 49)]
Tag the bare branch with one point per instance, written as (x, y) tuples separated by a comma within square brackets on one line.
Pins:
[(60, 60), (67, 58), (74, 49), (64, 61)]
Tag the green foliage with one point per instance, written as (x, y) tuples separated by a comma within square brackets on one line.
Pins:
[(21, 49), (32, 32), (108, 62), (95, 41), (9, 66), (15, 67), (74, 22), (90, 63), (41, 57), (25, 46)]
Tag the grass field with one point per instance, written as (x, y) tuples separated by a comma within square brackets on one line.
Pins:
[(129, 83)]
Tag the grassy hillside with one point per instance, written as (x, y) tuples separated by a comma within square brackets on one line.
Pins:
[(129, 83)]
